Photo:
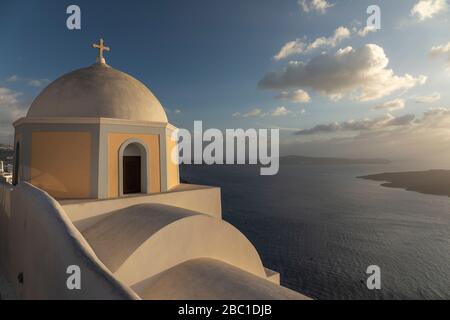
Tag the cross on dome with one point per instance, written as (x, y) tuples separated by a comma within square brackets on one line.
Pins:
[(101, 47)]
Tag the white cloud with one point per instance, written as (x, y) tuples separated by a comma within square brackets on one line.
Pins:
[(427, 9), (12, 78), (10, 110), (290, 48), (280, 111), (360, 73), (8, 97), (298, 96), (428, 98), (424, 141), (29, 81), (340, 34), (320, 6), (37, 82), (10, 107), (435, 118), (255, 112), (391, 105), (299, 46), (175, 111), (360, 125), (442, 50), (366, 30)]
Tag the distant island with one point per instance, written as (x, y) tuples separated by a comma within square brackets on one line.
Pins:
[(436, 182), (302, 160)]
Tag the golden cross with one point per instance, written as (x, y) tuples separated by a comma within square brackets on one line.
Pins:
[(100, 48)]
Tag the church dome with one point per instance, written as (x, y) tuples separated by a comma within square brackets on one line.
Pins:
[(98, 91)]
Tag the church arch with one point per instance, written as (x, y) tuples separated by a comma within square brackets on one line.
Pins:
[(134, 175)]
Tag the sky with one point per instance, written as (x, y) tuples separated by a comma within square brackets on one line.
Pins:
[(333, 85)]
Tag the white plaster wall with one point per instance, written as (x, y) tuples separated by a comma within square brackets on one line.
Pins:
[(190, 238), (141, 241), (5, 213), (211, 279), (38, 239), (202, 199)]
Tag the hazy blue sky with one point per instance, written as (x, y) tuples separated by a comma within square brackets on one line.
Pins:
[(212, 61)]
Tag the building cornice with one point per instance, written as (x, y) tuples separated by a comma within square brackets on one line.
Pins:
[(99, 121)]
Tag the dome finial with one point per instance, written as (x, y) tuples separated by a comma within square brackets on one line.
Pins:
[(101, 48)]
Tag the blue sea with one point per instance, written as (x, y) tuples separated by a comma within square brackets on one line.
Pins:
[(321, 227)]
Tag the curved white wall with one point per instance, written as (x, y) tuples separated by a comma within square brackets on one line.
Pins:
[(39, 241)]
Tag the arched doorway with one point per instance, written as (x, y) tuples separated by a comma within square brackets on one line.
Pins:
[(133, 168)]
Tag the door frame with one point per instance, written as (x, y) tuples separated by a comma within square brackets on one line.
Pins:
[(145, 173)]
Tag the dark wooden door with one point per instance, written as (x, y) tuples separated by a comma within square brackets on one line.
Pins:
[(131, 174)]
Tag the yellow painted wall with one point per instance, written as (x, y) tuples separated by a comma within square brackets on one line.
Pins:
[(115, 140), (61, 163), (172, 167)]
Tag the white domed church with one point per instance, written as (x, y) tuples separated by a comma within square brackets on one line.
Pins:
[(96, 132), (95, 192)]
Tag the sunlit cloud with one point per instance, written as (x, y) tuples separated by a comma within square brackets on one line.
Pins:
[(29, 81), (428, 98), (297, 96), (391, 105), (259, 113), (441, 51), (359, 125), (299, 46), (37, 82), (366, 30), (423, 139), (255, 112), (174, 111), (11, 109), (361, 74), (280, 111), (427, 9), (320, 6)]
